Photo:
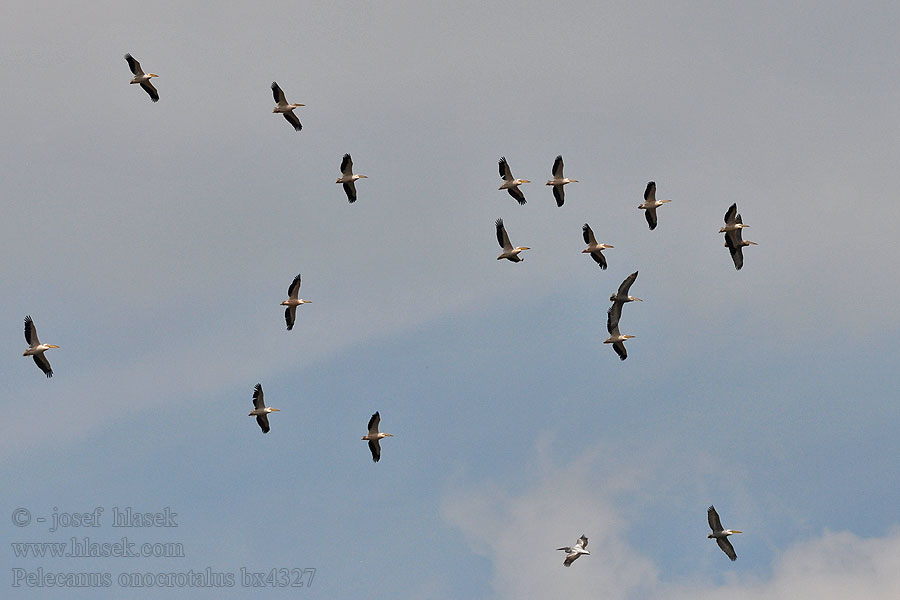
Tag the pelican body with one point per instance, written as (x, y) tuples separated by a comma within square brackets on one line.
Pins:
[(593, 248), (509, 253), (559, 181), (290, 313), (142, 78), (374, 437), (35, 348), (720, 534), (348, 178), (281, 106), (260, 410), (650, 204), (511, 184), (573, 552)]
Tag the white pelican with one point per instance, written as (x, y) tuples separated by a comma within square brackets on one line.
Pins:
[(348, 178), (720, 534), (36, 349), (734, 239), (281, 106), (374, 436), (290, 313), (651, 204), (509, 253), (616, 339), (260, 410), (509, 184), (559, 181), (142, 78), (573, 552), (618, 300), (731, 220), (593, 248)]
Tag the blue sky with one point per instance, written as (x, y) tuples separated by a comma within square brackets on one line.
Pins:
[(153, 243)]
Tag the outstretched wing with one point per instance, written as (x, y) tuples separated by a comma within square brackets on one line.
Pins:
[(347, 166), (588, 234), (258, 400), (290, 316), (619, 347), (278, 94), (294, 288), (41, 361), (560, 194), (730, 213), (505, 173), (31, 335), (599, 258), (263, 421), (650, 215), (502, 238), (375, 448), (350, 190), (650, 192), (558, 167), (134, 65), (373, 423), (726, 547), (148, 87), (516, 193), (626, 284), (713, 517), (293, 120)]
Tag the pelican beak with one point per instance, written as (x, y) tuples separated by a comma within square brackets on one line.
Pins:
[(525, 248), (638, 299), (737, 531), (526, 181), (153, 75), (389, 435), (628, 337), (575, 181), (752, 243), (585, 251), (276, 410), (608, 246), (52, 346), (363, 176)]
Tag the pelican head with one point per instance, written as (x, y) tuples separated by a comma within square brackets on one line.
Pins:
[(634, 299)]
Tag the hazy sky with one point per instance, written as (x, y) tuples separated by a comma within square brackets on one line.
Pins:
[(154, 242)]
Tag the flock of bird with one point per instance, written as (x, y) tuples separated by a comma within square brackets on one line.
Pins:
[(733, 241)]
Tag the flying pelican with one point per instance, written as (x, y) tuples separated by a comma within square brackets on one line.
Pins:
[(719, 534), (142, 78), (374, 436), (290, 313), (260, 410), (593, 248), (651, 204), (559, 181), (35, 348), (618, 300), (281, 106), (509, 184), (731, 220), (616, 339), (348, 178), (573, 552), (734, 239), (509, 253)]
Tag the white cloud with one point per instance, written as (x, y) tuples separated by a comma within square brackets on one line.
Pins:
[(518, 530)]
